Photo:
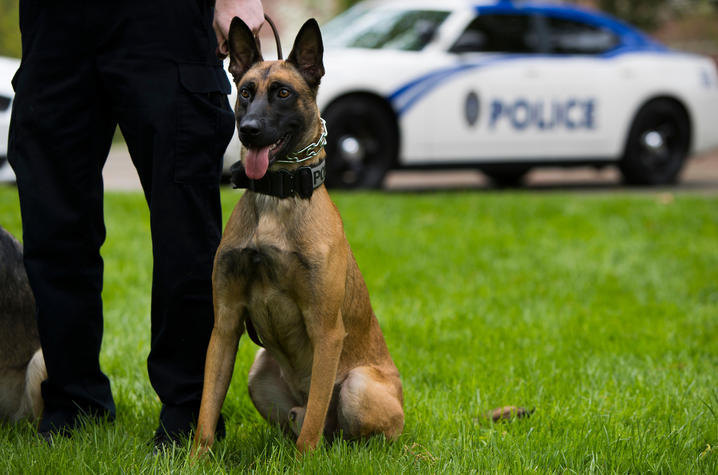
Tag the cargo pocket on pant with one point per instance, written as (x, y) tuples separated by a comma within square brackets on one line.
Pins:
[(205, 123)]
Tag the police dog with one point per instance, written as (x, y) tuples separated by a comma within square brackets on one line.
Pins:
[(285, 273), (22, 367)]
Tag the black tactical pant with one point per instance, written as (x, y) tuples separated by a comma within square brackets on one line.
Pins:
[(149, 67)]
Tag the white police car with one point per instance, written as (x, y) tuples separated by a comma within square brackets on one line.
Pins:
[(8, 66), (506, 86)]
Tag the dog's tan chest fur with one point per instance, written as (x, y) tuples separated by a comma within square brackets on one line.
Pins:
[(278, 321), (264, 262)]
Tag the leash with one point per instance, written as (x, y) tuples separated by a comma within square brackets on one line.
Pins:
[(276, 36)]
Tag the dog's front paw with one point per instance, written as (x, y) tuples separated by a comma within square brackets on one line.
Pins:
[(305, 445), (199, 450)]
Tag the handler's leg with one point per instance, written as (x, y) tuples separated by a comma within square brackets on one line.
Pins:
[(60, 137), (177, 123), (186, 222)]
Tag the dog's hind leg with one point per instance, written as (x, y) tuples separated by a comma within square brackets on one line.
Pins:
[(370, 402), (12, 383), (20, 396), (269, 391), (35, 374)]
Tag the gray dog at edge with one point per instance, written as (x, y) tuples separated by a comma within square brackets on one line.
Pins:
[(22, 367)]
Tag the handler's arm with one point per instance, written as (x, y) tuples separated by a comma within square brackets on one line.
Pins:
[(250, 11)]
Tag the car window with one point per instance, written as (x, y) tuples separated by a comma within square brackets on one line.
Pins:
[(408, 30), (500, 33), (572, 37)]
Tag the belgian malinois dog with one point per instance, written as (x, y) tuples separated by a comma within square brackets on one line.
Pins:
[(22, 367), (285, 273)]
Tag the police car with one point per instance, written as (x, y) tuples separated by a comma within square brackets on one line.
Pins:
[(8, 66), (504, 86)]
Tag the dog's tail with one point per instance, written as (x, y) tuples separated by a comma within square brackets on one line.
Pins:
[(32, 403)]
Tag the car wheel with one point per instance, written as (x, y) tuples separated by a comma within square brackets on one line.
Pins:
[(362, 143), (506, 176), (657, 144)]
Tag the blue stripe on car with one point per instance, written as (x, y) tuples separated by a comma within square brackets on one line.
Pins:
[(628, 34)]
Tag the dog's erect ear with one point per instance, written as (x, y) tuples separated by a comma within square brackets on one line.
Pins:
[(243, 49), (307, 53)]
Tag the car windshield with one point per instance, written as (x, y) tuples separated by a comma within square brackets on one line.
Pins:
[(383, 28)]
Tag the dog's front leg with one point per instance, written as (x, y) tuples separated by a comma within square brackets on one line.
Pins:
[(324, 323), (328, 343), (221, 354)]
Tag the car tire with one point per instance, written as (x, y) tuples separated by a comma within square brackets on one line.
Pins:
[(362, 143), (658, 144)]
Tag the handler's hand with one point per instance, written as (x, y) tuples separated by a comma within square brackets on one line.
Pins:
[(250, 11)]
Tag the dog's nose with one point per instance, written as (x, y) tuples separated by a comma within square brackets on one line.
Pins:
[(250, 127)]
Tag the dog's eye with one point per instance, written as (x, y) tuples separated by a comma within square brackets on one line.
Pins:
[(283, 93), (244, 92)]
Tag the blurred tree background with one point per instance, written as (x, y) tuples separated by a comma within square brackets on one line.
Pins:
[(643, 13), (9, 30), (686, 24)]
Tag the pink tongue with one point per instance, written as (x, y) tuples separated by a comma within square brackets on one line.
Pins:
[(256, 162)]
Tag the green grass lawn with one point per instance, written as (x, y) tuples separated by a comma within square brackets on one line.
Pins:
[(598, 310)]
